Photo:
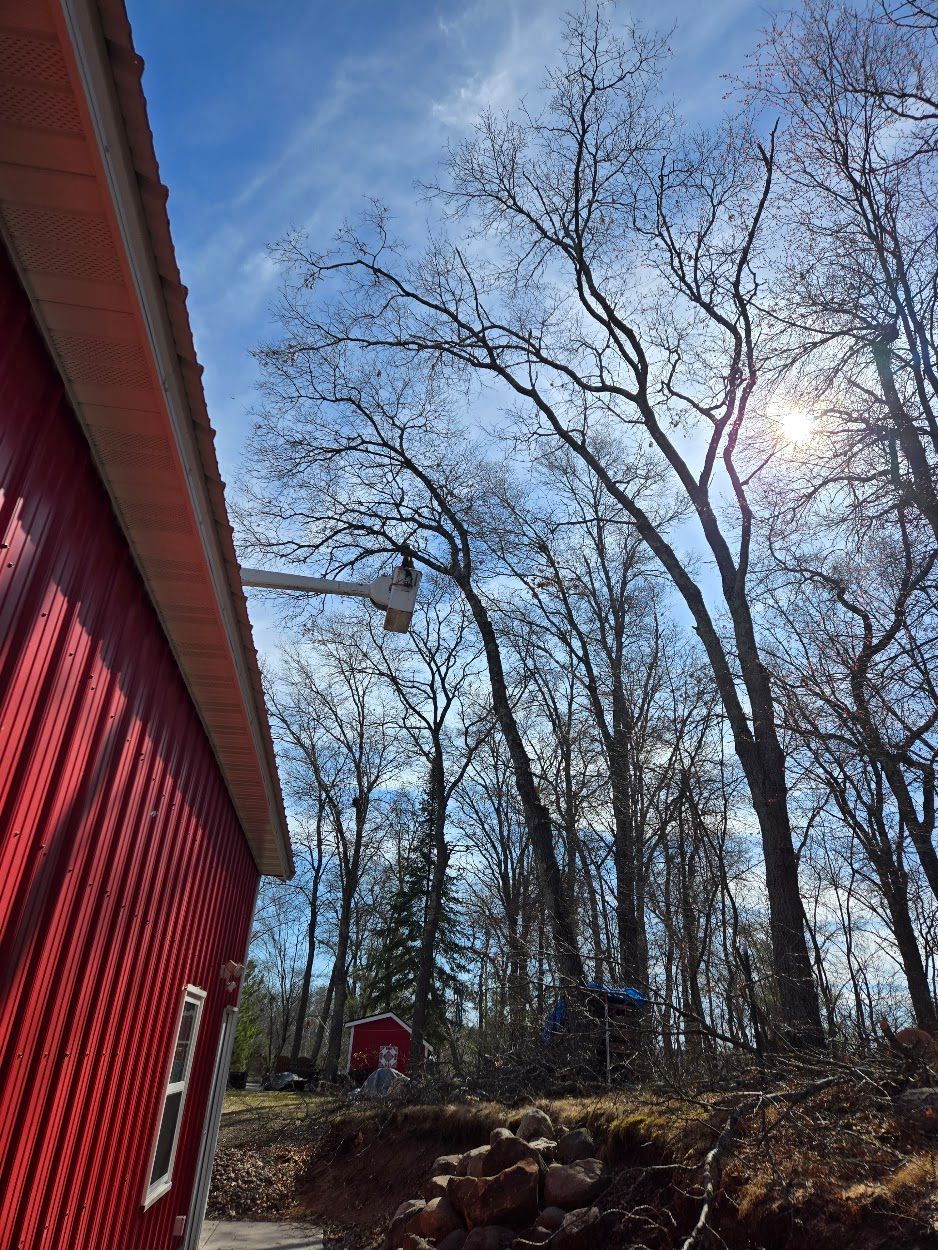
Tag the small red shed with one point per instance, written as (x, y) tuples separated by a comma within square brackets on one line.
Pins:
[(381, 1041)]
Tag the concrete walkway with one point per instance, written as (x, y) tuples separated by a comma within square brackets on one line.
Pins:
[(254, 1235)]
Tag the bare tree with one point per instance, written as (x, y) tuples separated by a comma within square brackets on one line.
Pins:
[(855, 652), (856, 292), (616, 289), (499, 868), (585, 571), (430, 676), (276, 942), (356, 461), (332, 713), (309, 848)]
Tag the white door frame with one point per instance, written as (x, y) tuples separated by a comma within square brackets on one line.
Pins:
[(216, 1100)]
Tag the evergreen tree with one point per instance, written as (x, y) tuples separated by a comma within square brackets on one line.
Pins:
[(249, 1030), (396, 944)]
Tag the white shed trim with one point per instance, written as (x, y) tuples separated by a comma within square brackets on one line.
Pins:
[(386, 1015)]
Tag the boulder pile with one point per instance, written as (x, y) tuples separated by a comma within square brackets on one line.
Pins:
[(527, 1189)]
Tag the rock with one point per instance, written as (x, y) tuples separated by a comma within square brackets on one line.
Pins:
[(406, 1220), (586, 1229), (467, 1160), (445, 1165), (435, 1187), (413, 1242), (492, 1237), (461, 1189), (499, 1134), (454, 1240), (544, 1147), (578, 1231), (439, 1218), (509, 1198), (477, 1164), (551, 1218), (918, 1108), (575, 1145), (505, 1152), (574, 1184), (535, 1123), (384, 1083)]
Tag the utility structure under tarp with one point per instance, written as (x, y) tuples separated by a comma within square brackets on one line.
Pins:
[(139, 801), (609, 1023)]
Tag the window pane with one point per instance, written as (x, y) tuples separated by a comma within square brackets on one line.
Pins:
[(183, 1042), (164, 1145)]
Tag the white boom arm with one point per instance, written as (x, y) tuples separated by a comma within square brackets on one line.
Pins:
[(396, 593)]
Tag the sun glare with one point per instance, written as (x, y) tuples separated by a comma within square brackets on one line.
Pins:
[(795, 424)]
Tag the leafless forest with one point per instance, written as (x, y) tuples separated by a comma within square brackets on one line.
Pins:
[(655, 409)]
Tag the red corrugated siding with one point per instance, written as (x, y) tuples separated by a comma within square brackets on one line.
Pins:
[(367, 1040), (123, 870)]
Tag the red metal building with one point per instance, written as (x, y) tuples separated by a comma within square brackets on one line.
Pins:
[(381, 1041), (139, 801)]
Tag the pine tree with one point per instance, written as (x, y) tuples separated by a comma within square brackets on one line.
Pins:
[(396, 946), (249, 1030)]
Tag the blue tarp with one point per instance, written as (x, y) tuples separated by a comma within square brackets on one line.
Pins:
[(619, 994), (616, 994), (555, 1021)]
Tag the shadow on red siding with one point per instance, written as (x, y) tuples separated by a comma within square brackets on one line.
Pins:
[(123, 871)]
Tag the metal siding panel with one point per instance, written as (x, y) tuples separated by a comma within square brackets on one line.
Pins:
[(97, 258), (369, 1038), (124, 873)]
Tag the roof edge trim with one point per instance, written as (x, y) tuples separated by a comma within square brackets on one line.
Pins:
[(94, 70), (385, 1015)]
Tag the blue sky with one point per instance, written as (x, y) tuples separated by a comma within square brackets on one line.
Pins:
[(275, 114)]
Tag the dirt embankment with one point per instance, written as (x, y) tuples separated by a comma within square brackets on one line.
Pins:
[(838, 1174)]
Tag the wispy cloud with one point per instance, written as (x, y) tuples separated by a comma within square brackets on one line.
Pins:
[(500, 70), (302, 120)]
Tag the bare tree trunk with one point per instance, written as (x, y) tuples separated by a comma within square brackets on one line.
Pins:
[(323, 1019), (589, 887), (632, 955), (690, 952), (909, 439), (896, 895), (537, 817), (330, 1066), (304, 989), (763, 762), (315, 878)]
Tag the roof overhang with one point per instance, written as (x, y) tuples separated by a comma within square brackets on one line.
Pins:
[(83, 213)]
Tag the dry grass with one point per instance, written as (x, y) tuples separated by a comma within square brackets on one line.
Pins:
[(240, 1100), (258, 1118), (841, 1169)]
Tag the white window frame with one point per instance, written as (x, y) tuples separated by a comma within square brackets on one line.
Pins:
[(155, 1189)]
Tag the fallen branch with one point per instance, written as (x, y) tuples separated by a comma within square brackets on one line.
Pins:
[(713, 1169), (714, 1159)]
